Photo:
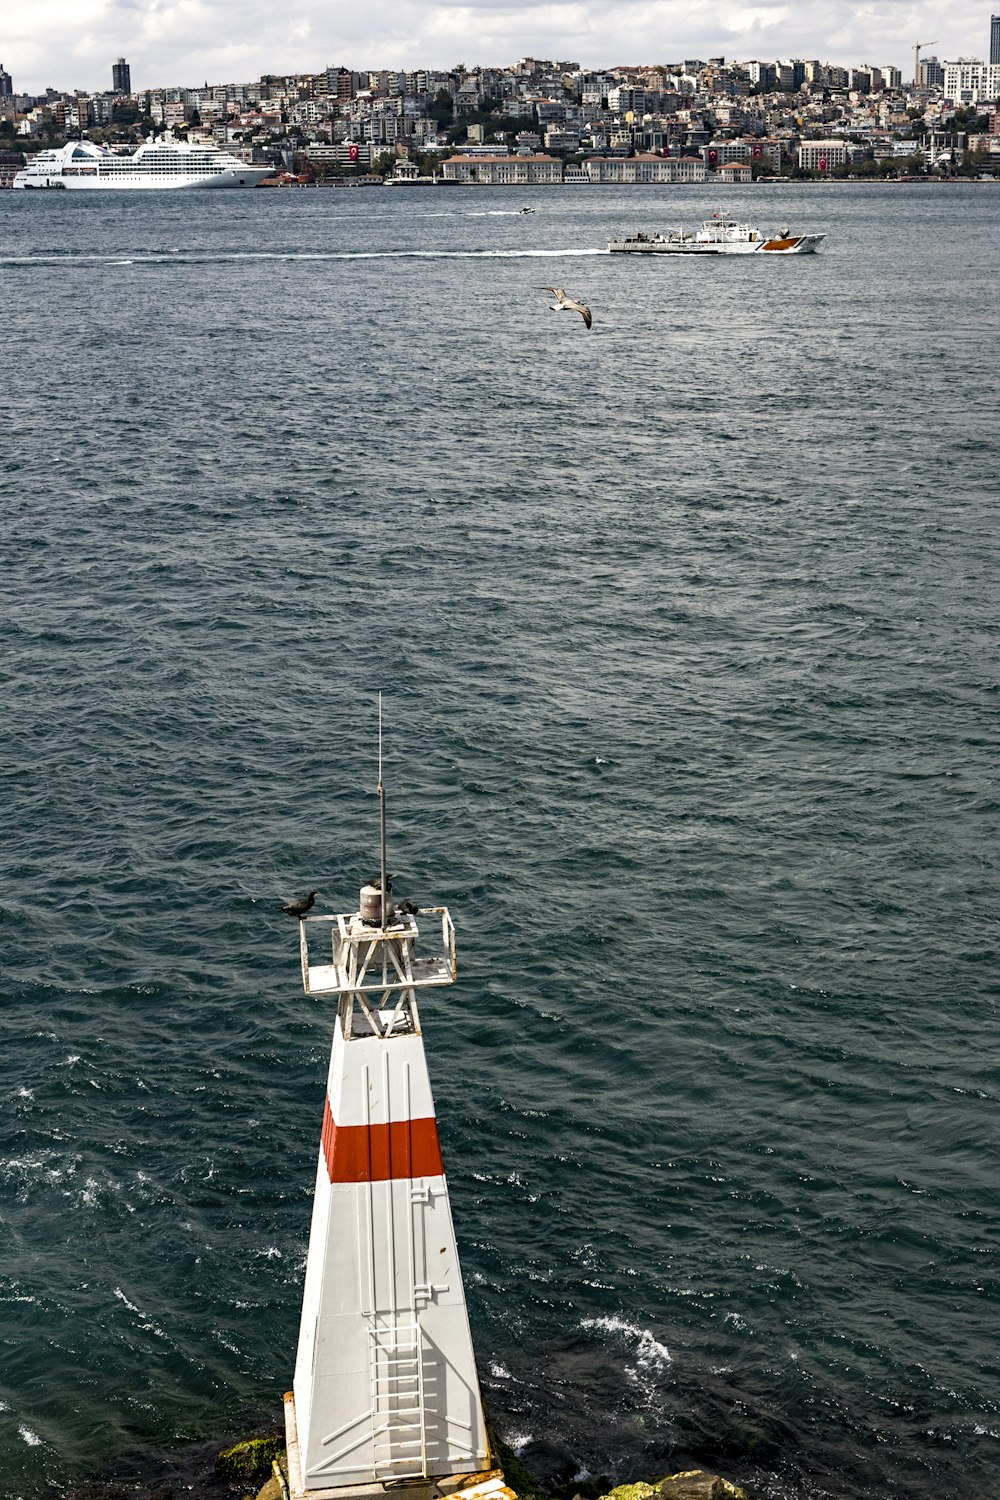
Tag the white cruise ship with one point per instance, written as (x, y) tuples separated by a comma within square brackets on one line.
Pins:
[(162, 162)]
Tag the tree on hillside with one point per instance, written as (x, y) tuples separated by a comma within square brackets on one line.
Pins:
[(443, 108)]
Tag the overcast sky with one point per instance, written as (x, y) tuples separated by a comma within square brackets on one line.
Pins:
[(72, 43)]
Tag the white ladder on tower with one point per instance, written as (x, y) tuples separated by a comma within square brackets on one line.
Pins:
[(399, 1421)]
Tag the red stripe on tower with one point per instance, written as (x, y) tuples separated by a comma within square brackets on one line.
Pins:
[(378, 1153)]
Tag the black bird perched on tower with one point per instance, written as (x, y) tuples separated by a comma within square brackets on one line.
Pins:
[(299, 908)]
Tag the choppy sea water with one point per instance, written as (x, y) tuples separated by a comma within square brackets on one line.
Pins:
[(688, 634)]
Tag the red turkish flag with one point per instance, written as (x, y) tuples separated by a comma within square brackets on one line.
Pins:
[(352, 152), (713, 155), (757, 152)]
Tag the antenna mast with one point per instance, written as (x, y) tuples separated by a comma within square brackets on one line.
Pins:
[(385, 1402), (381, 813)]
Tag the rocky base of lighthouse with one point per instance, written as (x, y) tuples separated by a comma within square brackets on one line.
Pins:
[(242, 1471), (485, 1485), (689, 1484)]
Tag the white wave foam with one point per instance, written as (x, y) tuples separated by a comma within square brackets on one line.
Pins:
[(31, 1438), (148, 1326), (518, 1441), (499, 1371), (650, 1354)]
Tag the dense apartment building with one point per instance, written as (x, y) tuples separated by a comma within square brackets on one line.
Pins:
[(969, 81)]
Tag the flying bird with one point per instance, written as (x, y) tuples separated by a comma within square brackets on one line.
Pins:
[(299, 908), (568, 304)]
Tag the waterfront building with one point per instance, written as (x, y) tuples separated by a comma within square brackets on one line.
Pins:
[(121, 77), (820, 156), (719, 153), (503, 171), (632, 170)]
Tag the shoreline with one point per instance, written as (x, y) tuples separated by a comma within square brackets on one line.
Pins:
[(245, 1468)]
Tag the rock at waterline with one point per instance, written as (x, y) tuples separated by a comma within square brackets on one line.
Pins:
[(695, 1484), (691, 1484), (249, 1462)]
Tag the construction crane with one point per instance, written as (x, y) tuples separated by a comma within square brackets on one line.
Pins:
[(916, 60)]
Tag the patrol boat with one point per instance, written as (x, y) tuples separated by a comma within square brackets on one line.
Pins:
[(717, 236)]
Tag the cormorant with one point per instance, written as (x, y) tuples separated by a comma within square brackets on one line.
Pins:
[(299, 908)]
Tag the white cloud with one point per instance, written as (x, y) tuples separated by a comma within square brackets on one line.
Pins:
[(73, 43)]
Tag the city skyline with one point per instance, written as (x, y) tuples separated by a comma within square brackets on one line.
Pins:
[(73, 45)]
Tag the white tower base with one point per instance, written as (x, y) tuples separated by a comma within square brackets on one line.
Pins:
[(488, 1484)]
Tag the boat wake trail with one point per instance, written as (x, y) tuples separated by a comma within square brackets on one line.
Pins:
[(193, 258)]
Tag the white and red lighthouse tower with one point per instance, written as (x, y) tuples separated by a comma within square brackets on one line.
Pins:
[(385, 1390)]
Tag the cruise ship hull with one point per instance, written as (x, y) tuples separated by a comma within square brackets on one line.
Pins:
[(163, 163), (248, 178)]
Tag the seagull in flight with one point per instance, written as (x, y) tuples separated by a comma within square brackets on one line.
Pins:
[(563, 303)]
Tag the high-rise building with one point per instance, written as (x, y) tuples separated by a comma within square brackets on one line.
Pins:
[(995, 39), (930, 74), (121, 77), (6, 84)]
